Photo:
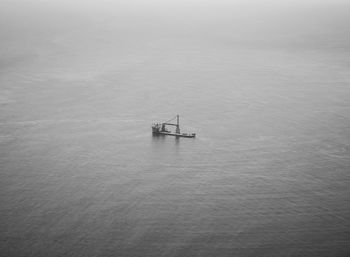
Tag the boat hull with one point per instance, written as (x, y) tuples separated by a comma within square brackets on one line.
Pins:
[(174, 134)]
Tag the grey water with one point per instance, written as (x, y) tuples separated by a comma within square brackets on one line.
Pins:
[(264, 84)]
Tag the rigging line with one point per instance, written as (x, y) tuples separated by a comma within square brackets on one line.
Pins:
[(171, 119)]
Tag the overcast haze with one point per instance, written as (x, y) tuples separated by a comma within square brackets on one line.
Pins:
[(264, 84), (320, 24)]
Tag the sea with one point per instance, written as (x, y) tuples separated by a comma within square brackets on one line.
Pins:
[(265, 85)]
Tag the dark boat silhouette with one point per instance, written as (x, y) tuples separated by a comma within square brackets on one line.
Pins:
[(160, 129)]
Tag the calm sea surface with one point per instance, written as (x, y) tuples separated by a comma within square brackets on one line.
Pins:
[(82, 175)]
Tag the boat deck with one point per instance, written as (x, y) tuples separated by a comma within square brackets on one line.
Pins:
[(175, 134)]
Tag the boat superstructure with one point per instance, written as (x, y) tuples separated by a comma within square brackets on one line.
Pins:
[(160, 128)]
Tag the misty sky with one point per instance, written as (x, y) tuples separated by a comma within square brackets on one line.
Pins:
[(33, 27)]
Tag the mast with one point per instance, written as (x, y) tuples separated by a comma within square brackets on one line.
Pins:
[(177, 125)]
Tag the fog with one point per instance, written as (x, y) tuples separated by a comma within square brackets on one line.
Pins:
[(264, 84), (28, 25)]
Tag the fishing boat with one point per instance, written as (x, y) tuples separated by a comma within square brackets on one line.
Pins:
[(161, 129)]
